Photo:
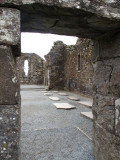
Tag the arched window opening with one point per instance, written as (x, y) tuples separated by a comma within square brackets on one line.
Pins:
[(26, 67)]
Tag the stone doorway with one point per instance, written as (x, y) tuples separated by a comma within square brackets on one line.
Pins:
[(96, 20)]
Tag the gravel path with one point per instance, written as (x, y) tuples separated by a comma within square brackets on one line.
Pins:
[(52, 134)]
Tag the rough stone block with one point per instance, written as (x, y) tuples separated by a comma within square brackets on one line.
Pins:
[(102, 77), (107, 77), (106, 145), (104, 111), (9, 83), (9, 26), (9, 132)]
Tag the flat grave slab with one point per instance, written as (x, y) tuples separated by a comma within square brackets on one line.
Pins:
[(55, 91), (44, 91), (48, 94), (87, 115), (63, 94), (63, 106), (54, 98), (73, 98), (86, 103)]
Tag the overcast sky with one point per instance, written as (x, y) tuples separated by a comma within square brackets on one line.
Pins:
[(42, 43)]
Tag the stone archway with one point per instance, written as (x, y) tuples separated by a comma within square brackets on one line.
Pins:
[(89, 19)]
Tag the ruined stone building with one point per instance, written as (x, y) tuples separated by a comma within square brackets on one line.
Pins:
[(70, 67), (95, 19), (30, 68), (55, 66)]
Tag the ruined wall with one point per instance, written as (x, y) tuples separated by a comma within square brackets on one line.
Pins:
[(106, 107), (78, 67), (9, 84), (55, 66), (65, 72), (35, 69)]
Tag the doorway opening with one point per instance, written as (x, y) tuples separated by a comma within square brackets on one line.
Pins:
[(48, 132)]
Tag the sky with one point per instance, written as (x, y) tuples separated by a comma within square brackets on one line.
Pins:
[(42, 43)]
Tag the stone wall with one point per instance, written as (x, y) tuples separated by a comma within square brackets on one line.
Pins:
[(9, 84), (55, 66), (62, 67), (35, 69), (106, 107), (78, 67)]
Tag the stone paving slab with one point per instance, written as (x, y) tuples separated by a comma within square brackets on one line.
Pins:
[(87, 115), (64, 106), (47, 94), (86, 103), (56, 144), (44, 91), (74, 98), (55, 91), (54, 98), (63, 94)]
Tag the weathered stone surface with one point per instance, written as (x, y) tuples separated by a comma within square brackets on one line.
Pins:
[(9, 26), (107, 77), (106, 145), (62, 65), (9, 132), (80, 18), (55, 66), (35, 69), (106, 104), (9, 83), (104, 47), (78, 67)]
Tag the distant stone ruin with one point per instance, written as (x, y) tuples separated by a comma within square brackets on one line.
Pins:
[(70, 67), (30, 67)]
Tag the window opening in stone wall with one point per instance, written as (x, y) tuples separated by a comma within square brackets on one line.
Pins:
[(26, 68), (79, 62)]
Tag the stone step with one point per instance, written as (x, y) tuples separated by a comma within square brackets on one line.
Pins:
[(87, 115), (86, 103), (63, 106)]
